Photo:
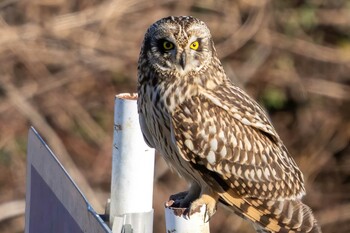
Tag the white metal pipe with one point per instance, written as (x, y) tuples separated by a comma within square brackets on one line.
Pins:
[(176, 221), (132, 163)]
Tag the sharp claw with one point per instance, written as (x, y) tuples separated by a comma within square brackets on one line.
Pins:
[(197, 206), (169, 203), (208, 214), (191, 204), (187, 213)]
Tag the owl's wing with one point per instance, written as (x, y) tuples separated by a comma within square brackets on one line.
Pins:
[(226, 132), (145, 131)]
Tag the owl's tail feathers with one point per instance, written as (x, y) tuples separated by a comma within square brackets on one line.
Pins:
[(277, 216)]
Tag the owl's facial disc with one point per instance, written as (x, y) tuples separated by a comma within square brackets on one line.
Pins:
[(176, 48), (171, 55)]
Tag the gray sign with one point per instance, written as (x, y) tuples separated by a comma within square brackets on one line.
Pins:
[(54, 204)]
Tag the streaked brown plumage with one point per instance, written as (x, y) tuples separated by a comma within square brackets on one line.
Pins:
[(213, 134)]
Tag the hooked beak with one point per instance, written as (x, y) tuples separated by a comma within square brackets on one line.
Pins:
[(183, 60)]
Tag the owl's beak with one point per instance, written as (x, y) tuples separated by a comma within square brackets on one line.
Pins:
[(183, 60)]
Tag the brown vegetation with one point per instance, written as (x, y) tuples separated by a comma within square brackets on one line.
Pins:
[(62, 62)]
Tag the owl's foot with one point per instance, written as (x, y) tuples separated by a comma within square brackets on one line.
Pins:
[(207, 200), (192, 201), (178, 199), (184, 199)]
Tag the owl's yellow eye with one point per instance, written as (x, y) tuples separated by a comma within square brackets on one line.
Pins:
[(194, 45), (168, 45)]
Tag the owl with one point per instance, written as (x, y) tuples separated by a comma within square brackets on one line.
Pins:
[(213, 134)]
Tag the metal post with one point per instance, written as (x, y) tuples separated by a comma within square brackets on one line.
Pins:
[(176, 221), (132, 171)]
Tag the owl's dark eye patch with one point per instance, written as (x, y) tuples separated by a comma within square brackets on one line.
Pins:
[(165, 45)]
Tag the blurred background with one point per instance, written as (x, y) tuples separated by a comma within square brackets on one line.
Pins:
[(63, 61)]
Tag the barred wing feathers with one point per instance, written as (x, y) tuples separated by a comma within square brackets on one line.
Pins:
[(230, 134), (229, 140)]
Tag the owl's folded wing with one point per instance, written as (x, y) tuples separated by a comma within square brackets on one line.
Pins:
[(237, 142)]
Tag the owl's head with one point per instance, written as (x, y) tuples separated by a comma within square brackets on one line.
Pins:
[(178, 45)]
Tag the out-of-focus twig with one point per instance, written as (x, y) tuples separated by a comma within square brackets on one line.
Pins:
[(102, 13), (316, 154), (28, 110), (327, 88), (302, 47), (244, 33), (59, 80), (251, 66), (11, 209), (6, 3), (333, 17), (339, 213), (95, 132)]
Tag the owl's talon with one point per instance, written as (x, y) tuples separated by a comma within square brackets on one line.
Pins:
[(178, 196), (184, 199), (178, 199), (210, 207)]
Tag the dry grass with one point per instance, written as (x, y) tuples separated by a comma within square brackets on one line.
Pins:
[(62, 62)]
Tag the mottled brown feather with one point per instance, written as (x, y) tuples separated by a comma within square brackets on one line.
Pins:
[(244, 156)]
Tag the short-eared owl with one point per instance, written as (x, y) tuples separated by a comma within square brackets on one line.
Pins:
[(213, 134)]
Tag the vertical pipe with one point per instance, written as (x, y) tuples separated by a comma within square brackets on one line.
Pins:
[(132, 165), (176, 221)]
